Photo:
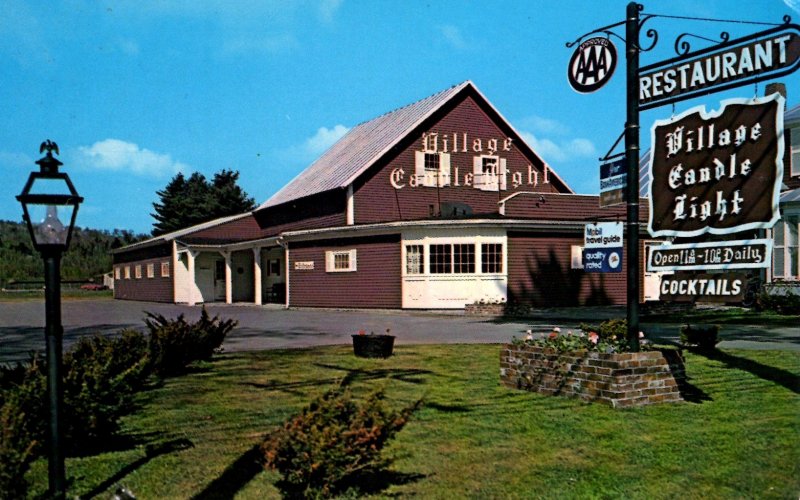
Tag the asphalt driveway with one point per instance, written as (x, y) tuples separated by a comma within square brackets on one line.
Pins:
[(271, 327)]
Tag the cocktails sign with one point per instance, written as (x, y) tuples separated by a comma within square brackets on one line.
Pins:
[(717, 173)]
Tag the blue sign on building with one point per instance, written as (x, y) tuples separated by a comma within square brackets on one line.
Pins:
[(602, 260)]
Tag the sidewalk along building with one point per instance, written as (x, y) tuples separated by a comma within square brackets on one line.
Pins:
[(435, 205)]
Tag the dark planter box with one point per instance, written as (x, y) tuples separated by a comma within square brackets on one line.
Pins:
[(373, 346)]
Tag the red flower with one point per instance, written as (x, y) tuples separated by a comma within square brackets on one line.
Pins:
[(552, 335), (362, 332)]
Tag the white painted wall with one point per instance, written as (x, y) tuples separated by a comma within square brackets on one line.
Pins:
[(453, 291)]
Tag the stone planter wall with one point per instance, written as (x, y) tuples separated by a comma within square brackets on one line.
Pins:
[(620, 380)]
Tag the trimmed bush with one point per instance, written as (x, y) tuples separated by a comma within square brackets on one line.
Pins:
[(704, 337), (174, 344), (23, 414), (334, 444), (779, 299), (101, 376)]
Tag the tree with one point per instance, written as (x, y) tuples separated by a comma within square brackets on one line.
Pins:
[(186, 202)]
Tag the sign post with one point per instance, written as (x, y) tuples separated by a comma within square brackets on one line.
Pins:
[(632, 156)]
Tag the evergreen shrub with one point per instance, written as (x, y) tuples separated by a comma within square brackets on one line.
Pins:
[(334, 444)]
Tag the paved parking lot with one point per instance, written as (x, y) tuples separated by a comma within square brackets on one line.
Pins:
[(270, 327)]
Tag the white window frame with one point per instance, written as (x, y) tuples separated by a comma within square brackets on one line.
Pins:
[(151, 270), (576, 256), (489, 181), (485, 262), (782, 250), (428, 178), (117, 273), (138, 271), (165, 269), (330, 261), (127, 272), (415, 261)]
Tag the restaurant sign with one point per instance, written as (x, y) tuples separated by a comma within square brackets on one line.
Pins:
[(741, 254), (691, 287), (718, 172), (756, 57)]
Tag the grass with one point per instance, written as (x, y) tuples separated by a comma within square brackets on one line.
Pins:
[(193, 436), (66, 294), (727, 315)]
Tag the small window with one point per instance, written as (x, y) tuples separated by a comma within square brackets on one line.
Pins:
[(138, 271), (441, 259), (127, 272), (151, 270), (415, 259), (795, 157), (165, 269), (491, 258), (117, 273), (489, 173), (340, 261), (464, 258), (576, 257), (432, 169)]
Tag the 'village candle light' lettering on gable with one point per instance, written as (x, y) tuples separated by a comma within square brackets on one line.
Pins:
[(717, 173), (458, 159)]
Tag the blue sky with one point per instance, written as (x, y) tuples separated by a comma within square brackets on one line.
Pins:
[(134, 92)]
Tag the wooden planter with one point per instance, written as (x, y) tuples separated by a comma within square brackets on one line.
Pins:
[(619, 379), (373, 346)]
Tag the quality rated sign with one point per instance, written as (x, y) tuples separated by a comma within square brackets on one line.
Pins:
[(602, 251)]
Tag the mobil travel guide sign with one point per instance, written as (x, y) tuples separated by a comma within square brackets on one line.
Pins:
[(602, 252), (718, 172)]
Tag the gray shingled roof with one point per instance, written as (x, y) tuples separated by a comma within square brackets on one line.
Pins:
[(793, 115), (362, 146), (359, 148)]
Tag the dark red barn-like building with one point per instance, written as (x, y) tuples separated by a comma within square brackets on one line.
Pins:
[(434, 205)]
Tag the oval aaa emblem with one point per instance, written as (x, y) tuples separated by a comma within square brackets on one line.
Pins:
[(592, 64)]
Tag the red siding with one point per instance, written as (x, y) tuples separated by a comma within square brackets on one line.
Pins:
[(375, 284), (377, 201), (569, 207), (156, 289), (242, 229), (540, 274), (313, 212)]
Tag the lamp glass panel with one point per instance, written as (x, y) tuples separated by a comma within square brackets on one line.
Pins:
[(50, 223)]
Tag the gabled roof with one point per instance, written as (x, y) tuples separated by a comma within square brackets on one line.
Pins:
[(174, 235), (365, 144)]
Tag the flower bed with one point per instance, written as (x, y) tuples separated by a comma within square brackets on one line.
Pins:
[(618, 379)]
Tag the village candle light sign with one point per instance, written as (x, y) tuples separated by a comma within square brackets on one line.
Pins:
[(743, 254), (717, 173), (760, 56)]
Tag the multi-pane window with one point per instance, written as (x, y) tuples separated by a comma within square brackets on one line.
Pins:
[(491, 257), (127, 272), (432, 169), (415, 259), (432, 163), (151, 270), (138, 270), (340, 261), (795, 159), (117, 273), (441, 259), (464, 258), (785, 251), (165, 269)]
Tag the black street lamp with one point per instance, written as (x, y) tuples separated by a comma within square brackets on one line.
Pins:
[(47, 196)]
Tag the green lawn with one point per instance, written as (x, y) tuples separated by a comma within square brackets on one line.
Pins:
[(193, 436)]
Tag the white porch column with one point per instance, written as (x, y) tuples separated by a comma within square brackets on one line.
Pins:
[(257, 274), (228, 278), (192, 295)]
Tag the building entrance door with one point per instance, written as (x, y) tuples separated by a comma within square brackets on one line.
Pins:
[(219, 280)]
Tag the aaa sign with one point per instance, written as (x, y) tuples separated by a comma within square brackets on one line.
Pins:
[(717, 173)]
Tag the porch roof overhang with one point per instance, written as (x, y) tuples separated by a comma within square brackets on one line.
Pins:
[(272, 241)]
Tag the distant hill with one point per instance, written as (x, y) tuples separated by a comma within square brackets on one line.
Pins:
[(89, 253)]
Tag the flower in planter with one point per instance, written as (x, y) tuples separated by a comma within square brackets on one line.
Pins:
[(529, 335), (594, 337), (553, 335)]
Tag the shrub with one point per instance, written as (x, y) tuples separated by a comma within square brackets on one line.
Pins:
[(704, 337), (779, 299), (101, 376), (174, 344), (333, 443), (23, 416)]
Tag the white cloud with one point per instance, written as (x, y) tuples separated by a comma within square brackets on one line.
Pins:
[(323, 139), (563, 151), (793, 4), (453, 36), (539, 124), (116, 155), (328, 8)]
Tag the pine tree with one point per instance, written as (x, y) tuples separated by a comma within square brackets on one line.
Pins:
[(186, 202)]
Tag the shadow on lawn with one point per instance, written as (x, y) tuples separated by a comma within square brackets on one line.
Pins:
[(151, 452), (411, 376), (778, 376), (235, 476)]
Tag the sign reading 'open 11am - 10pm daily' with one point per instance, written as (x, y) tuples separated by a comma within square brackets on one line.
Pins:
[(718, 172)]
